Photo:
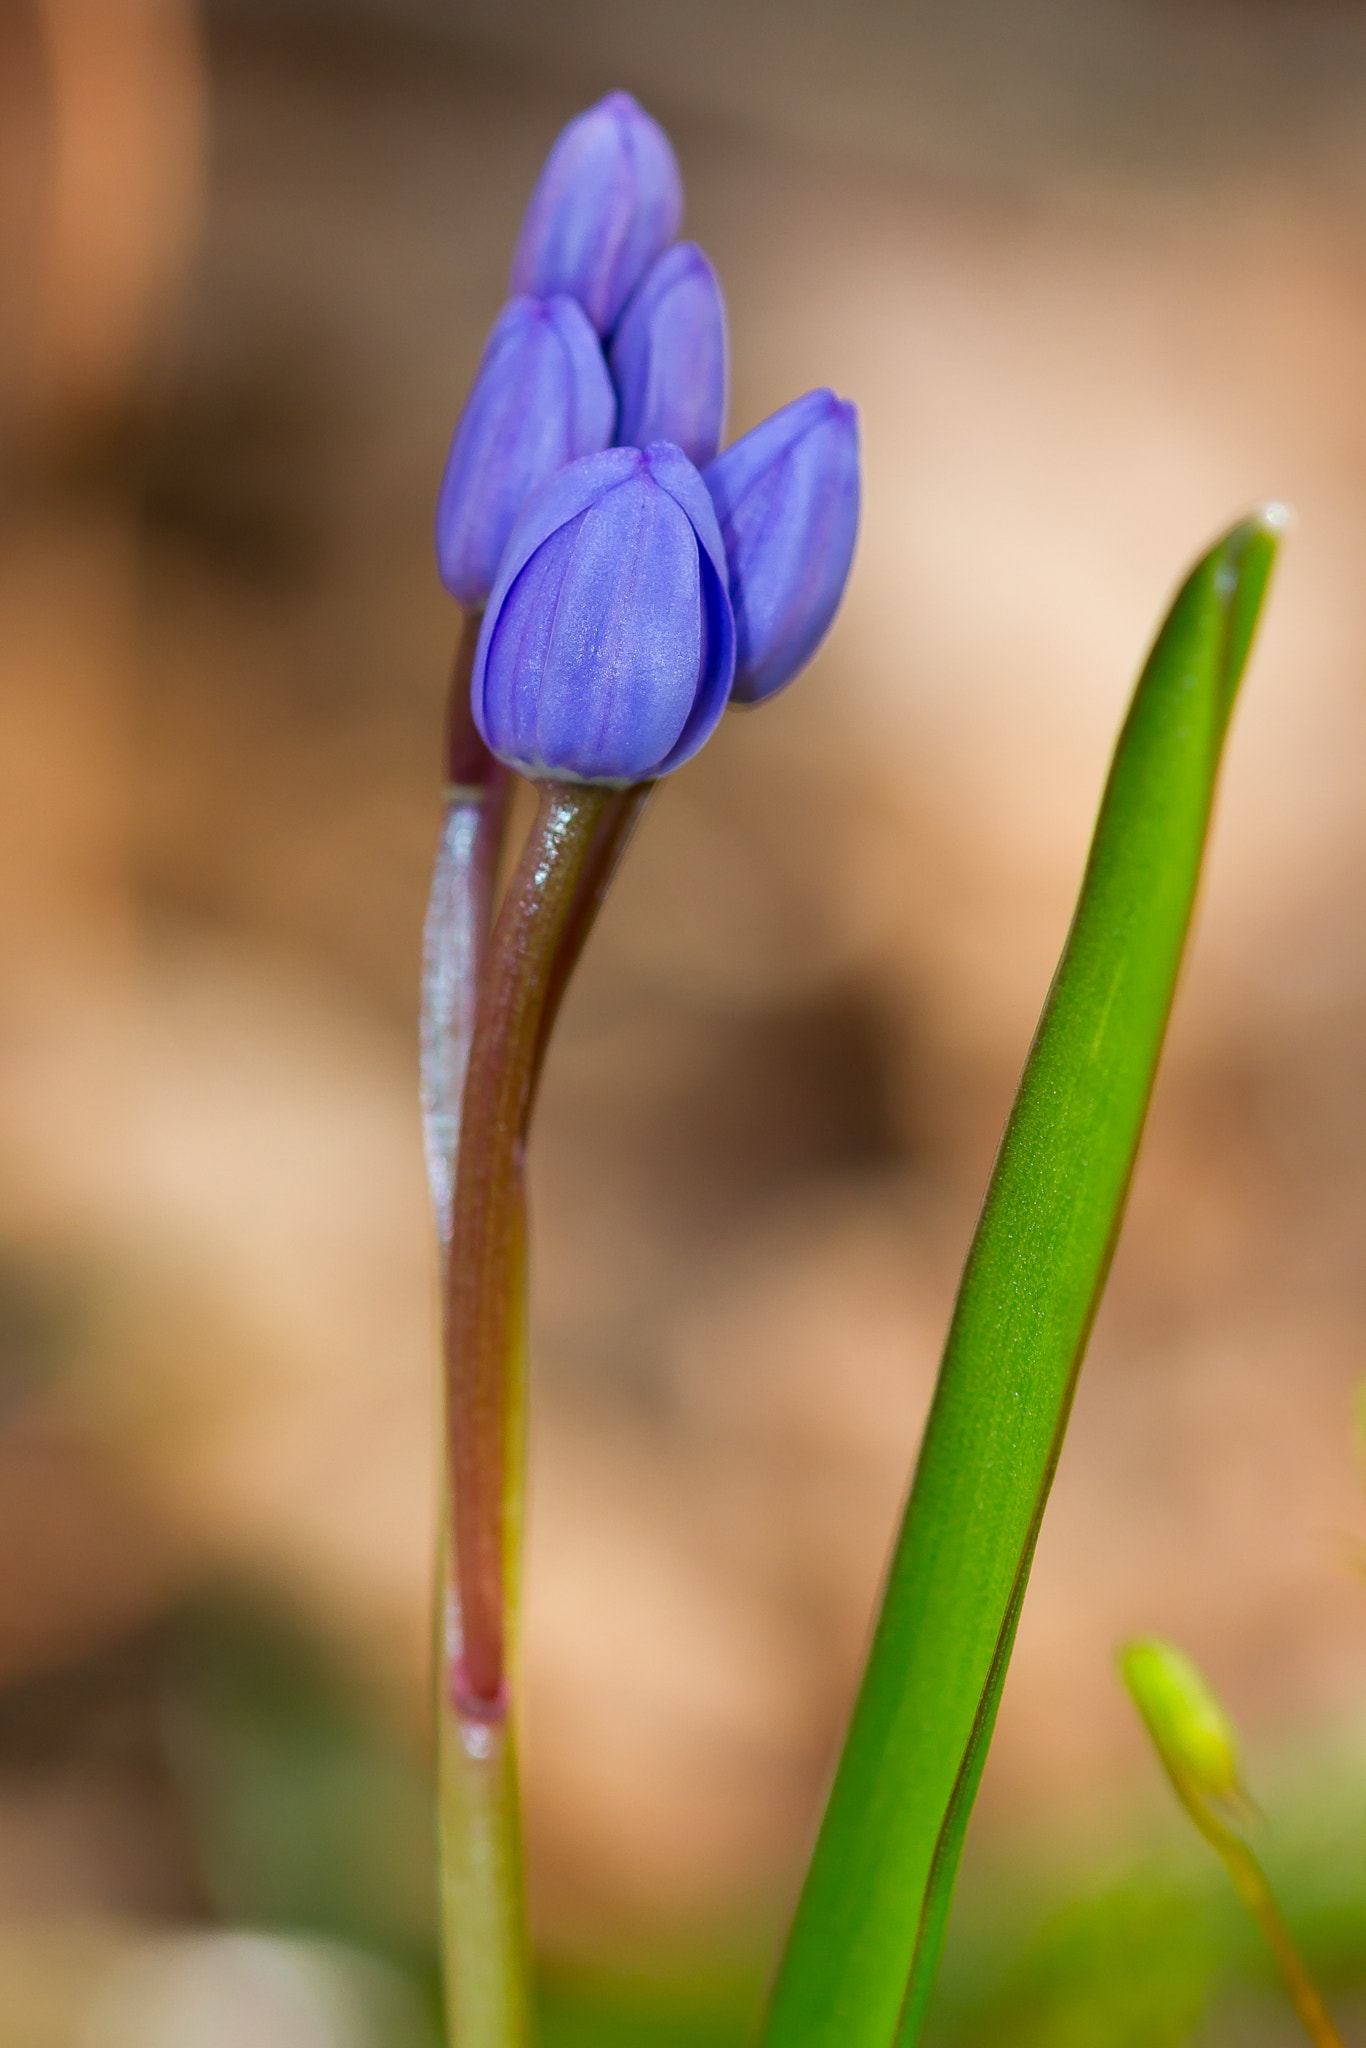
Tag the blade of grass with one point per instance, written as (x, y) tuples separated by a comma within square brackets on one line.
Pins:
[(864, 1946)]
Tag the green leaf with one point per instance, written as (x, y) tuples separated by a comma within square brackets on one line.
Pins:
[(865, 1943)]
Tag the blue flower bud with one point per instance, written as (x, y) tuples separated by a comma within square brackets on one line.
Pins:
[(607, 202), (787, 497), (541, 398), (668, 357), (608, 647)]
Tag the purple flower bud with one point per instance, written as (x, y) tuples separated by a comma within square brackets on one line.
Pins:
[(787, 497), (541, 398), (668, 357), (608, 646), (607, 202)]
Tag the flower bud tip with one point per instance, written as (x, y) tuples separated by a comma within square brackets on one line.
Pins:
[(608, 201), (541, 397), (787, 497), (668, 356)]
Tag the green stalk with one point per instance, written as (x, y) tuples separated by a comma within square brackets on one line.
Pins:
[(483, 1922), (865, 1943), (1250, 1883)]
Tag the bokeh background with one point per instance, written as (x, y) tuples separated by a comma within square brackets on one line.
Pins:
[(1095, 271)]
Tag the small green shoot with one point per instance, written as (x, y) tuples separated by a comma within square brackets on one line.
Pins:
[(1196, 1743)]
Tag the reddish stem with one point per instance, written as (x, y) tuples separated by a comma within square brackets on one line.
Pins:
[(614, 834), (516, 986)]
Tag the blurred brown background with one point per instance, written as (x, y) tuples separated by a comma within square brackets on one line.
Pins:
[(1096, 275)]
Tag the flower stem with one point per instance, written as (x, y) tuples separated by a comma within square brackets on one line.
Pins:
[(616, 828), (482, 1283), (483, 1933), (485, 1950), (483, 1918), (550, 904)]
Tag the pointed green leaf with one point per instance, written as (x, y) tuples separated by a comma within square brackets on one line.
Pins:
[(865, 1943)]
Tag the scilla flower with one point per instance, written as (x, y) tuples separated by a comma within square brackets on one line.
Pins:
[(787, 498), (541, 398), (607, 203), (608, 647), (668, 357)]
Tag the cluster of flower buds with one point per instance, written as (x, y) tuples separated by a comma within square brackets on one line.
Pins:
[(634, 581)]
